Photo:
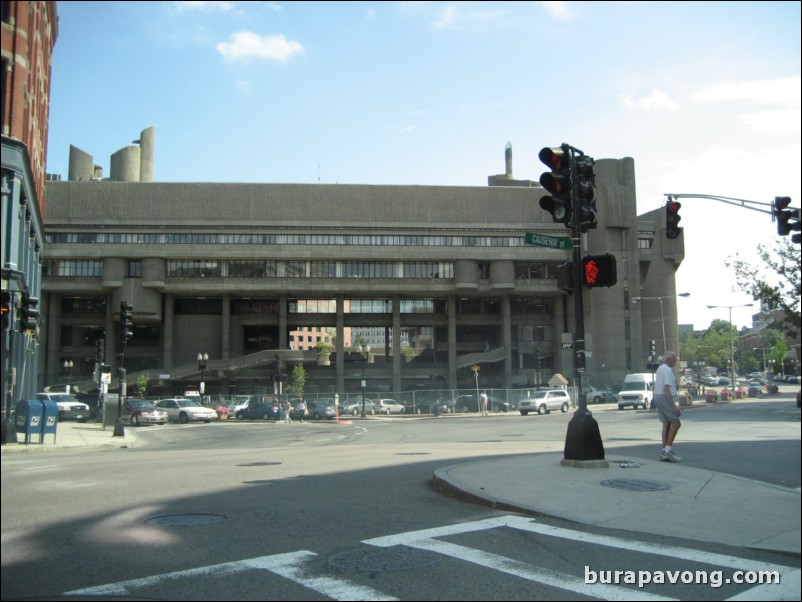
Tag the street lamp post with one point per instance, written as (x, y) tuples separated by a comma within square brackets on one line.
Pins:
[(732, 349), (662, 317), (202, 359), (475, 368), (365, 351), (68, 372)]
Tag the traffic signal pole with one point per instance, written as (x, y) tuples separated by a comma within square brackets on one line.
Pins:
[(583, 439)]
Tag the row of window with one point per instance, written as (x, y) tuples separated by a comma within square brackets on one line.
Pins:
[(189, 268), (371, 240)]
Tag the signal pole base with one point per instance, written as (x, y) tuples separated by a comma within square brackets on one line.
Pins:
[(583, 441)]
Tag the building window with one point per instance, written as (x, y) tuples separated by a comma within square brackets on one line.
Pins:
[(134, 268), (73, 267)]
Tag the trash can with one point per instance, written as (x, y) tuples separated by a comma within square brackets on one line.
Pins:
[(29, 418), (49, 418), (110, 410)]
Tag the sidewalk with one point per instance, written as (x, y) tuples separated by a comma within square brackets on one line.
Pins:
[(685, 502), (663, 498), (70, 434)]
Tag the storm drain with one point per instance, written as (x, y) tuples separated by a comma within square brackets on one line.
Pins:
[(260, 464), (195, 519), (635, 485), (395, 558)]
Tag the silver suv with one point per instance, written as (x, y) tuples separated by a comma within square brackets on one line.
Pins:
[(544, 402)]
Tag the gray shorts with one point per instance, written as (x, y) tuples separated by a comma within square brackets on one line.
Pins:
[(665, 409)]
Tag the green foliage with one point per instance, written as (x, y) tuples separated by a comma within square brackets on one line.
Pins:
[(776, 282), (142, 385), (297, 380)]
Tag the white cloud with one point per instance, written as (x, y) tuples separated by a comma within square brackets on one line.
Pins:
[(657, 100), (203, 5), (785, 90), (246, 44), (561, 11)]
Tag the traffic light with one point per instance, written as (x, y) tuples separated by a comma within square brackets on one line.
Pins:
[(126, 324), (565, 277), (538, 360), (599, 270), (585, 183), (8, 309), (652, 348), (100, 350), (672, 219), (784, 215), (29, 313), (558, 183)]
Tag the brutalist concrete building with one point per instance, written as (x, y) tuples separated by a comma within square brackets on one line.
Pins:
[(233, 270)]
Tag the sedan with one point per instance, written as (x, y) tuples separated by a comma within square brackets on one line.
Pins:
[(316, 410), (265, 410), (185, 410), (355, 408), (142, 411), (389, 406)]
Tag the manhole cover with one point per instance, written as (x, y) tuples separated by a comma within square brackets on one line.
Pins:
[(635, 485), (396, 558), (186, 520)]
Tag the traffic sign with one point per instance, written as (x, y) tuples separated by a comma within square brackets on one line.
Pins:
[(533, 239)]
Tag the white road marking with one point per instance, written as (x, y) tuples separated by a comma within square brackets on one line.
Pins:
[(294, 566)]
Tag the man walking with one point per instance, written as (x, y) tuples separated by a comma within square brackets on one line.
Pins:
[(668, 410)]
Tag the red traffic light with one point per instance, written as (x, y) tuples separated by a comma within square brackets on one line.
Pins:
[(672, 219), (599, 270)]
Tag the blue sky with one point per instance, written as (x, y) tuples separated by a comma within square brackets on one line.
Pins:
[(705, 96)]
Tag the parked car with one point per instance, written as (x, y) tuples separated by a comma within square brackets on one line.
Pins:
[(389, 406), (184, 410), (69, 407), (469, 403), (142, 411), (258, 409), (755, 388), (354, 408), (595, 395), (318, 410), (544, 402)]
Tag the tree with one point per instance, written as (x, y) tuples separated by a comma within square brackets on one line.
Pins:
[(297, 380), (778, 290), (142, 385)]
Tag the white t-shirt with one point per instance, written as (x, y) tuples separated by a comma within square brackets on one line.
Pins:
[(664, 376)]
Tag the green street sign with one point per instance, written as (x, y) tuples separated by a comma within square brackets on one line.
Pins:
[(541, 240)]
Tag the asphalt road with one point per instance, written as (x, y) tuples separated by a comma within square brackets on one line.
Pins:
[(321, 511)]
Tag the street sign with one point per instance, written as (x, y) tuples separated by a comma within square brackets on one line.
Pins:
[(532, 239), (568, 346)]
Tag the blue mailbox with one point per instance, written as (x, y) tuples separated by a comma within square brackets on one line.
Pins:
[(49, 418), (29, 417)]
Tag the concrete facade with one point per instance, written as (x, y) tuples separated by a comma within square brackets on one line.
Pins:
[(225, 269)]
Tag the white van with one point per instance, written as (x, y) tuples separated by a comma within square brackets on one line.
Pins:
[(638, 390)]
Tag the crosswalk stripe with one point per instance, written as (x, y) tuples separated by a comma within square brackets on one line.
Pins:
[(533, 573), (290, 566)]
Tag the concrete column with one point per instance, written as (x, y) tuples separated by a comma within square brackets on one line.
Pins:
[(169, 329), (340, 347), (53, 337), (225, 338), (396, 343), (506, 339), (452, 342), (282, 321)]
